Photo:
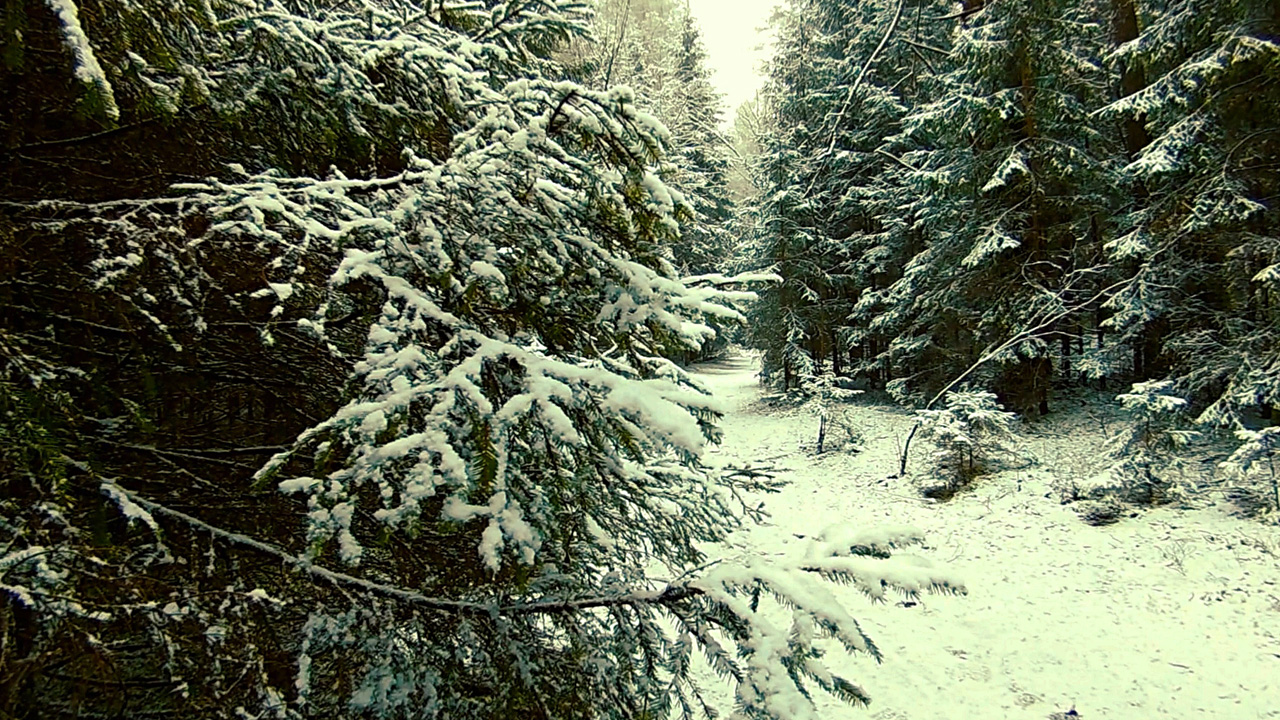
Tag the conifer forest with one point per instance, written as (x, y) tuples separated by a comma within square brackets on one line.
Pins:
[(471, 359)]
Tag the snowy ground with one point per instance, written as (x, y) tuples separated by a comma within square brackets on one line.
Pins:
[(1172, 614)]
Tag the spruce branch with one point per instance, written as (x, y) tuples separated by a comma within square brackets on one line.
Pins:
[(668, 595), (924, 46)]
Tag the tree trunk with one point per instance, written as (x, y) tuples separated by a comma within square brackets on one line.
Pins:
[(1124, 28), (836, 366), (1066, 349)]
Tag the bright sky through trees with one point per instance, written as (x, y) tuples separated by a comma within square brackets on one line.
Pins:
[(735, 37)]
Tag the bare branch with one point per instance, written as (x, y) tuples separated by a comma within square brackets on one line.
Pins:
[(925, 46), (848, 98), (994, 351), (666, 596), (896, 159), (958, 15), (85, 138), (893, 26), (617, 45)]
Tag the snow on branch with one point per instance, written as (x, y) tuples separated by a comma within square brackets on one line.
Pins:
[(843, 539), (130, 509), (872, 576), (134, 505), (303, 564), (718, 279), (87, 68)]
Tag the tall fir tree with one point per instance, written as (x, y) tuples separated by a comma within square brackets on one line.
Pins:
[(1006, 185), (655, 48), (1201, 237), (834, 95)]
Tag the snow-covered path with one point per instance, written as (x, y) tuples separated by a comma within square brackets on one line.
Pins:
[(1174, 613)]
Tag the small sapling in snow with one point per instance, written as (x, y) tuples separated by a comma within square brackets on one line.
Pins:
[(836, 430), (971, 431), (1148, 459), (1256, 457)]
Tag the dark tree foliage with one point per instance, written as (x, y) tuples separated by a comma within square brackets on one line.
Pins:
[(1025, 194)]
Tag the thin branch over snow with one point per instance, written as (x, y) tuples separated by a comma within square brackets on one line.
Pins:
[(893, 26), (872, 576), (667, 595), (995, 351)]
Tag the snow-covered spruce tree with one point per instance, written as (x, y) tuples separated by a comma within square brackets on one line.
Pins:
[(1148, 463), (969, 432), (701, 155), (836, 430), (452, 365), (888, 56), (1002, 184), (790, 322), (1201, 306), (1256, 459), (778, 323), (830, 110), (655, 48)]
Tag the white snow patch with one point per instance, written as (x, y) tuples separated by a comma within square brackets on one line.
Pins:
[(1174, 613)]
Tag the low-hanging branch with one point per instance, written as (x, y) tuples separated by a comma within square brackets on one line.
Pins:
[(926, 46), (848, 98), (81, 139), (668, 596), (960, 15), (665, 596)]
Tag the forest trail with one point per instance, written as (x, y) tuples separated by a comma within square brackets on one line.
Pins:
[(1174, 613)]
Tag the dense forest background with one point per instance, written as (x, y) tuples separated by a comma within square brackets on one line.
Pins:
[(342, 343), (1021, 195)]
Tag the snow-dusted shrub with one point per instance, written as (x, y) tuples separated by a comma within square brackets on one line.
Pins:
[(1148, 459), (836, 428), (843, 433), (1098, 499), (1255, 460), (1107, 509), (968, 433), (1079, 472)]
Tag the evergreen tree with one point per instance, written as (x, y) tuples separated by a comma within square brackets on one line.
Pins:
[(1200, 308), (371, 413), (1147, 461), (701, 157), (1006, 186), (831, 110), (655, 48)]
